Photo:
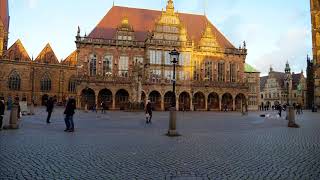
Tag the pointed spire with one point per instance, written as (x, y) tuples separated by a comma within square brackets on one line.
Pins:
[(271, 69), (78, 32), (287, 69), (170, 7)]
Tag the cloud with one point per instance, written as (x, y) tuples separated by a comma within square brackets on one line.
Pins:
[(292, 46), (32, 4)]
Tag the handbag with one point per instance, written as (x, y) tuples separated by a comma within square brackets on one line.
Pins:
[(147, 115)]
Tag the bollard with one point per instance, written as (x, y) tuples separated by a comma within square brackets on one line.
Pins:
[(291, 118), (13, 121), (173, 123)]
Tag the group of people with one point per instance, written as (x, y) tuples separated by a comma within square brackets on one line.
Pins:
[(2, 109), (68, 112), (103, 106)]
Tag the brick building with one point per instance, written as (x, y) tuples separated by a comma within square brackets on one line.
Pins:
[(315, 19), (274, 88), (125, 60)]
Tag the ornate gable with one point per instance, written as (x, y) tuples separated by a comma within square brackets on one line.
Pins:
[(168, 25), (208, 39), (125, 31), (47, 56), (71, 60), (17, 52)]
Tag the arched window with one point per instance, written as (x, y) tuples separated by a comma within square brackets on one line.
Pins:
[(14, 82), (107, 65), (93, 65), (72, 85), (45, 83)]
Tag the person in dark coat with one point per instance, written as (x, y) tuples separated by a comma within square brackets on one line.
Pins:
[(2, 108), (148, 112), (280, 110), (50, 105), (69, 112)]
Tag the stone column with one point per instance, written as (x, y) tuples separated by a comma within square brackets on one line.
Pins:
[(96, 101), (220, 103), (177, 103), (233, 104), (205, 103), (191, 104), (162, 103), (113, 101)]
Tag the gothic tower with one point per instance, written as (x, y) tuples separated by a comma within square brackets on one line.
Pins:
[(315, 20), (4, 26)]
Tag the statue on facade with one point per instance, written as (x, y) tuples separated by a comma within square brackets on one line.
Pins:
[(137, 84)]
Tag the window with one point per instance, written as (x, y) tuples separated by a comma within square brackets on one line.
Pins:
[(221, 72), (45, 83), (184, 75), (233, 73), (14, 82), (155, 57), (107, 65), (197, 70), (93, 65), (123, 66), (167, 58), (185, 59), (72, 86), (208, 70)]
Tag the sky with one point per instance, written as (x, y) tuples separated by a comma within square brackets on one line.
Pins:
[(275, 31)]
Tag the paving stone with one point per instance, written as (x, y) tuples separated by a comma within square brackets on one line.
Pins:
[(119, 145)]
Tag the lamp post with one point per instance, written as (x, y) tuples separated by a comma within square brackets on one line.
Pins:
[(174, 55)]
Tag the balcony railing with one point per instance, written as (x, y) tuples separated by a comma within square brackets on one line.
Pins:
[(109, 42), (169, 43)]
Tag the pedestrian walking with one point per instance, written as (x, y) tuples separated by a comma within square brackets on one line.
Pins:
[(50, 105), (2, 109), (148, 112), (69, 112), (103, 107), (280, 110)]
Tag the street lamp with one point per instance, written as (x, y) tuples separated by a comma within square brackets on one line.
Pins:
[(174, 55)]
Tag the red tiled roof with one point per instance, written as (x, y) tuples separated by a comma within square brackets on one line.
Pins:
[(47, 56), (280, 77), (4, 13), (71, 60), (17, 51), (144, 20)]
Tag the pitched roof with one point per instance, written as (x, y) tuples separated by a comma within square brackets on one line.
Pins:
[(280, 77), (263, 81), (249, 69), (4, 13), (47, 56), (296, 80), (17, 52), (144, 20), (71, 59)]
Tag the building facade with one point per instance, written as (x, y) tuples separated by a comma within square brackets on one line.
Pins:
[(315, 19), (310, 83), (274, 88), (252, 77), (126, 60)]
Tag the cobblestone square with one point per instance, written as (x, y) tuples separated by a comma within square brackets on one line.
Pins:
[(119, 145)]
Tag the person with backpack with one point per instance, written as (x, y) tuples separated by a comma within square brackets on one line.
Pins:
[(69, 112)]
